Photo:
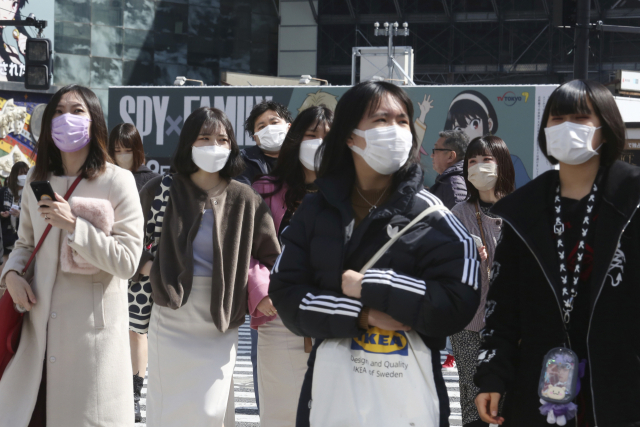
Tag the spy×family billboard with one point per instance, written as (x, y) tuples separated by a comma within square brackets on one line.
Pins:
[(510, 112)]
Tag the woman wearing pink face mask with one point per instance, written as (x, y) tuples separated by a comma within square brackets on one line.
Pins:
[(72, 366)]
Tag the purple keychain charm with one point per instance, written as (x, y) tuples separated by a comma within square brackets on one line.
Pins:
[(559, 385)]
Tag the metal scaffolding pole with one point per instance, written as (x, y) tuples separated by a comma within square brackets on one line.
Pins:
[(581, 58)]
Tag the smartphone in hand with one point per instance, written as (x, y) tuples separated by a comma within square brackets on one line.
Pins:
[(43, 191)]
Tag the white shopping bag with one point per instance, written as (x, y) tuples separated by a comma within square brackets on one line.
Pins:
[(383, 378)]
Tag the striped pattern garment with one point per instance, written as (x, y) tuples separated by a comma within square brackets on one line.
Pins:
[(331, 305), (393, 279), (471, 261)]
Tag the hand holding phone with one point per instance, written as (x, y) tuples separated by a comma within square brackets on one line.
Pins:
[(43, 191)]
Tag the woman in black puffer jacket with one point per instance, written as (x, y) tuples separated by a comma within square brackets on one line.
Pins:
[(364, 197)]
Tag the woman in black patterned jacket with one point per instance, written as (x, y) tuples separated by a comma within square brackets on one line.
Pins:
[(565, 273)]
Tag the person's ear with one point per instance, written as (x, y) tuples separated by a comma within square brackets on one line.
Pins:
[(256, 139), (350, 141), (288, 126), (453, 157), (490, 125)]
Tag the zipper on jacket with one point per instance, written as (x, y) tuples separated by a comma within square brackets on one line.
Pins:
[(593, 402), (543, 272)]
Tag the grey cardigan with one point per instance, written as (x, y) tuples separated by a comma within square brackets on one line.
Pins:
[(466, 213), (243, 229)]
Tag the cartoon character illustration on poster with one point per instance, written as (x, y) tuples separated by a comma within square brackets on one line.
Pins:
[(319, 98), (12, 57), (421, 122), (471, 112)]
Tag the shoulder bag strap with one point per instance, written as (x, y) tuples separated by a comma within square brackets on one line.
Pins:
[(46, 230), (484, 241), (387, 245)]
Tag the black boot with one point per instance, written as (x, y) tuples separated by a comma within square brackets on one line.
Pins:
[(137, 391)]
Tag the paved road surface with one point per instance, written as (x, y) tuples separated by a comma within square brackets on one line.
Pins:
[(246, 409)]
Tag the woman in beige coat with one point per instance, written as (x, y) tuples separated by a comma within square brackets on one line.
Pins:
[(76, 326)]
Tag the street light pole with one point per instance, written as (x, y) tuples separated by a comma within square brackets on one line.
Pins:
[(581, 57)]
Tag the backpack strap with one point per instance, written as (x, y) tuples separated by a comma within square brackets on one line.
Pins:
[(387, 245)]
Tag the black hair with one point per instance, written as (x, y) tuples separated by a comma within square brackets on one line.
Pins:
[(467, 109), (492, 146), (206, 120), (289, 170), (362, 99), (49, 158), (18, 168), (126, 135), (571, 98), (262, 108)]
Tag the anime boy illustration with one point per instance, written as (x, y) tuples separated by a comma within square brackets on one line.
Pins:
[(11, 57), (319, 98)]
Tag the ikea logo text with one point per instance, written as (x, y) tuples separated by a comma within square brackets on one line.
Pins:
[(377, 340)]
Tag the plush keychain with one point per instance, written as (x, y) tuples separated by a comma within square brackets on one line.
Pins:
[(560, 413)]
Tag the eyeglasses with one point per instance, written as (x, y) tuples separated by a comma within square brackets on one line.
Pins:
[(439, 149)]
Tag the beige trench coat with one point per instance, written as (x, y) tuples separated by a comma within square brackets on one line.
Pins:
[(80, 322)]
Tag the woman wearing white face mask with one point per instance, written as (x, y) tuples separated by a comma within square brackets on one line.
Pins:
[(489, 174), (282, 360), (564, 277), (369, 188), (216, 235), (125, 148), (11, 195)]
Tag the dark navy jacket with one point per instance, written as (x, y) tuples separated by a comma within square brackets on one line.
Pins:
[(256, 162), (427, 280), (450, 186)]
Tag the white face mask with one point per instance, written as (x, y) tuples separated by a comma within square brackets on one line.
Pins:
[(308, 151), (570, 143), (271, 137), (387, 148), (210, 158), (124, 160), (22, 180), (483, 176)]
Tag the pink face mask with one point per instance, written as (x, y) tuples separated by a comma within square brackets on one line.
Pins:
[(70, 132)]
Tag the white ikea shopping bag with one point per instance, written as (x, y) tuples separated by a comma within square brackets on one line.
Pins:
[(383, 378)]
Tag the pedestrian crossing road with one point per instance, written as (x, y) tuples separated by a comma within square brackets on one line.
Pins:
[(245, 402)]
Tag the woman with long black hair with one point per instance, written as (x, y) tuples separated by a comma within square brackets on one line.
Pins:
[(369, 188), (282, 360), (564, 277)]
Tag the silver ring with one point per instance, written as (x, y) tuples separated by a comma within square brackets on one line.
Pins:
[(19, 308), (46, 218)]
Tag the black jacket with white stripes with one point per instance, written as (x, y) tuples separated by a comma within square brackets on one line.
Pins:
[(427, 280)]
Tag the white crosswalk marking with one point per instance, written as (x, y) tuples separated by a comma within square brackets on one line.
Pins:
[(245, 402)]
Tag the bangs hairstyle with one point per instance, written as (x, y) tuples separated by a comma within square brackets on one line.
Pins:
[(206, 120), (19, 168), (571, 98), (464, 109), (127, 136), (362, 99), (49, 158), (289, 169), (491, 146)]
